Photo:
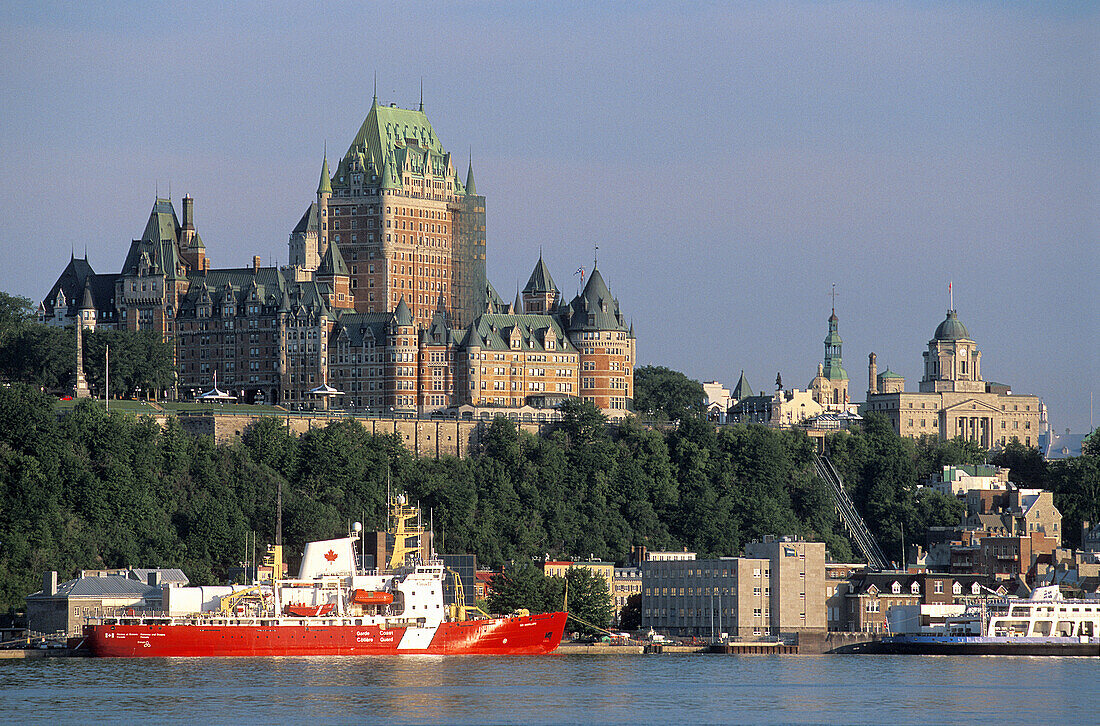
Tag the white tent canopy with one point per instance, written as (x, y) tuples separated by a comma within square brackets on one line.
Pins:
[(216, 394)]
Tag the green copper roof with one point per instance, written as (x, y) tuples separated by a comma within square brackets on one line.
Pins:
[(540, 280), (401, 314), (159, 243), (325, 185), (889, 374), (742, 390), (471, 189), (308, 222), (595, 308), (392, 140), (333, 262), (951, 328)]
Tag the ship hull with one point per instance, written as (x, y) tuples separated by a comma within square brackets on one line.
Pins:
[(941, 645), (521, 635)]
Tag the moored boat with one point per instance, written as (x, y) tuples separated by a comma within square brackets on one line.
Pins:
[(1043, 624), (333, 607)]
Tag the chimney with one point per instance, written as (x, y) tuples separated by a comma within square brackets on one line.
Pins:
[(255, 263), (49, 583), (872, 374), (188, 212)]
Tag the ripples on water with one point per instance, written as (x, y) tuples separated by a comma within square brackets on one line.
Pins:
[(567, 689)]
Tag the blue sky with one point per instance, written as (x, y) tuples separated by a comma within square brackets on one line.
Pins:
[(732, 161)]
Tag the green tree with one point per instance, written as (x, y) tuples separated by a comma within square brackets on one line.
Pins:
[(1076, 485), (588, 599), (39, 355), (1026, 465), (138, 360), (933, 454), (520, 586), (630, 615), (583, 422), (15, 311), (667, 395)]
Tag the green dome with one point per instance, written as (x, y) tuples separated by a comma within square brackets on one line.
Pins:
[(951, 328)]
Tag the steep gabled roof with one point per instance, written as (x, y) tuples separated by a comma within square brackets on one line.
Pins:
[(494, 331), (333, 262), (493, 302), (361, 327), (308, 222), (391, 139), (742, 390), (71, 282), (540, 281), (159, 244), (594, 308)]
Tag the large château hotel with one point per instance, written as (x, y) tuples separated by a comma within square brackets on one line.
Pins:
[(385, 299)]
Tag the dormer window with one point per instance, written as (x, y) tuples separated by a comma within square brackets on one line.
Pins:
[(914, 589), (896, 588)]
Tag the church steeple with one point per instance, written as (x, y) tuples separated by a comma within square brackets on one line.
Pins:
[(833, 367)]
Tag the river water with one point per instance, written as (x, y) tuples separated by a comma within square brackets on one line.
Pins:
[(832, 689)]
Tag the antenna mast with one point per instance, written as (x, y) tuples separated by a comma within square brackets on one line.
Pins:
[(279, 513)]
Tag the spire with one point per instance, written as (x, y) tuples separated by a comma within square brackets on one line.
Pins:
[(374, 102), (833, 367), (325, 185), (517, 306), (401, 314), (742, 390), (421, 94), (470, 188)]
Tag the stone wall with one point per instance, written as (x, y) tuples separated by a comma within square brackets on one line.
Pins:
[(430, 438)]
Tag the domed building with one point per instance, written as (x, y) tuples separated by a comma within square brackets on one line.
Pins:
[(952, 398)]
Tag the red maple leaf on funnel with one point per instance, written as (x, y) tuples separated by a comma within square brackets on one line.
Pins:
[(330, 556)]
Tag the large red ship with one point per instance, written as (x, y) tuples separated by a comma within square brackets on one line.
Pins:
[(333, 607)]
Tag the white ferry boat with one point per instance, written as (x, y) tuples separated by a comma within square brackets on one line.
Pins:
[(1043, 624)]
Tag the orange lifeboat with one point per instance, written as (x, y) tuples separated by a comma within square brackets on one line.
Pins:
[(371, 597)]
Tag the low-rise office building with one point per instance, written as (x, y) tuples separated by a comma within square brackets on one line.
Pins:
[(778, 587)]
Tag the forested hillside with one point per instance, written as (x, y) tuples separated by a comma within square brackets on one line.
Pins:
[(94, 490)]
